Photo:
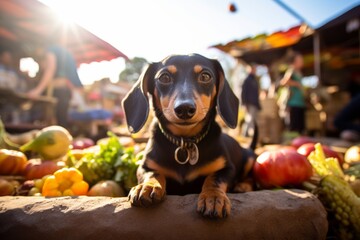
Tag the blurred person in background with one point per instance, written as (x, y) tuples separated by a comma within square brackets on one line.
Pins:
[(295, 103), (354, 85), (250, 100), (59, 78), (348, 120), (8, 74)]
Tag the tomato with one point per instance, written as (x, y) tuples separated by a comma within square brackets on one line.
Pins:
[(281, 167), (12, 162), (82, 143), (298, 141), (36, 169), (307, 148)]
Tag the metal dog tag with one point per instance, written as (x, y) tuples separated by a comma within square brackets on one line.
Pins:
[(193, 152), (179, 153)]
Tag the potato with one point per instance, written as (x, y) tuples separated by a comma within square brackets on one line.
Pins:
[(107, 188), (6, 188)]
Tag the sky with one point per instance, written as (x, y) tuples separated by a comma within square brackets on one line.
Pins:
[(153, 29)]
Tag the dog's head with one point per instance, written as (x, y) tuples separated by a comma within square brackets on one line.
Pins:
[(184, 88)]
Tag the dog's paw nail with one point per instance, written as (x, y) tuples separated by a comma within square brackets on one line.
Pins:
[(224, 213), (144, 200), (201, 210)]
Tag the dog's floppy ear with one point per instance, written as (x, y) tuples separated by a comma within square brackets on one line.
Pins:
[(227, 102), (136, 102)]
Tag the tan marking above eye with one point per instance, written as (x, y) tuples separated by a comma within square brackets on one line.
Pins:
[(198, 68), (172, 69)]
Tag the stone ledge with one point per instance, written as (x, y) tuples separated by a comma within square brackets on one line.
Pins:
[(283, 214)]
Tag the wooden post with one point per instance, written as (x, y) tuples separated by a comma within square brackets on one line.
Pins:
[(317, 57)]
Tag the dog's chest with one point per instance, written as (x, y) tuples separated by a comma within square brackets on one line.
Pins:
[(161, 153), (161, 158), (174, 187)]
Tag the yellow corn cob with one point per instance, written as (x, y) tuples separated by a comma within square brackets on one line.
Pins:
[(337, 195)]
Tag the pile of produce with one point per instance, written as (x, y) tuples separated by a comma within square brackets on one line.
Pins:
[(337, 195), (49, 162), (332, 177)]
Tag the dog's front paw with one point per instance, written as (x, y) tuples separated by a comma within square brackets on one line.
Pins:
[(214, 203), (146, 194)]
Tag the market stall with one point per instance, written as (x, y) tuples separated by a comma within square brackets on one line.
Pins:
[(23, 26), (331, 59), (338, 41), (17, 114)]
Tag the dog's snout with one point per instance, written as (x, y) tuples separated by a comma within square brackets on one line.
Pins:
[(185, 110)]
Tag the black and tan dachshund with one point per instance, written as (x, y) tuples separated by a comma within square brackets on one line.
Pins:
[(187, 151)]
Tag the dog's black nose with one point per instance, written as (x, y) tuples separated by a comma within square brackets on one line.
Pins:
[(185, 110)]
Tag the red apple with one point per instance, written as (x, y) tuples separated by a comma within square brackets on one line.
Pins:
[(307, 148), (282, 167), (301, 140)]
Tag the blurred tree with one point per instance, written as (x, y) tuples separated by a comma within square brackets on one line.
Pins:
[(133, 69)]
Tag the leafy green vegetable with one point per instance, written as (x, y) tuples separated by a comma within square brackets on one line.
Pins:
[(112, 162), (126, 167), (353, 171)]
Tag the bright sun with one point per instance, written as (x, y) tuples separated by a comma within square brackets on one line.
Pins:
[(68, 16), (64, 14)]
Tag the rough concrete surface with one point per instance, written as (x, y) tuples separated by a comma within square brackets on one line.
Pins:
[(283, 214)]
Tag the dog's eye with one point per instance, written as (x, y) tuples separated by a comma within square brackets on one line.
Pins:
[(165, 78), (205, 77)]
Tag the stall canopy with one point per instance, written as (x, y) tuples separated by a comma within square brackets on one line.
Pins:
[(26, 23), (265, 43), (340, 32)]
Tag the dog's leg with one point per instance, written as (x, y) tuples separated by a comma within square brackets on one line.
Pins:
[(247, 183), (150, 191), (213, 201)]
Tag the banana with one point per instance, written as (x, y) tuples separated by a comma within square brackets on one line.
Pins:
[(5, 142), (23, 138)]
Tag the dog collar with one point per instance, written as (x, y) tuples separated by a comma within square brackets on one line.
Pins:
[(186, 146)]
